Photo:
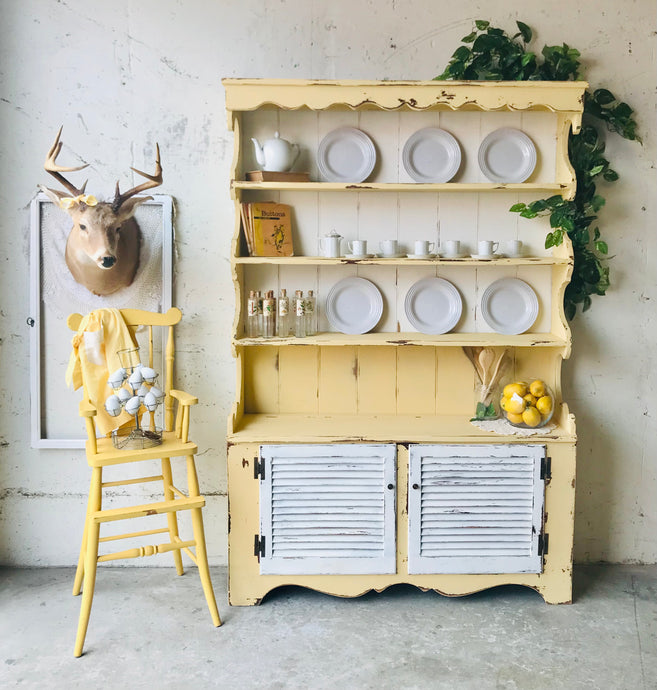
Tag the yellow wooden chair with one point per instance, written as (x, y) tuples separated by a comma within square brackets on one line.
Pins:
[(102, 453)]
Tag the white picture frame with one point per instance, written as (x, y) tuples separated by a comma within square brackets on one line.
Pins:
[(52, 301)]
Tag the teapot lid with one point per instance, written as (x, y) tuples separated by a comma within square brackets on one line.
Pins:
[(333, 233)]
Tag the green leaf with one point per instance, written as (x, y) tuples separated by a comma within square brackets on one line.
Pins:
[(571, 309), (610, 175), (527, 58), (469, 38), (550, 240), (525, 31), (596, 170), (461, 54), (586, 304), (516, 208), (482, 24), (528, 213), (602, 247), (597, 202), (603, 96)]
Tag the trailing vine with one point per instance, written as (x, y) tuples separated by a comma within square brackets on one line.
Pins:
[(489, 53)]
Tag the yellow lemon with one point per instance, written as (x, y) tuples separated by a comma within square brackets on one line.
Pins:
[(537, 388), (503, 402), (531, 417), (515, 404), (544, 404), (531, 400), (514, 418), (519, 387)]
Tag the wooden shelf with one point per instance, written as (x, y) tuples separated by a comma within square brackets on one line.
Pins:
[(399, 339), (538, 187), (298, 428), (479, 263)]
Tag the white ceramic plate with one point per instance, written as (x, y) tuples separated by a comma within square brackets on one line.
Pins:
[(354, 305), (507, 155), (509, 306), (346, 154), (433, 306), (431, 155)]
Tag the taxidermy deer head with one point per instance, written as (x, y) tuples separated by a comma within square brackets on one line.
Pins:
[(102, 249)]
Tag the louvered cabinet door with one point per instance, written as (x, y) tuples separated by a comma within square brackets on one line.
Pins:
[(328, 509), (475, 508)]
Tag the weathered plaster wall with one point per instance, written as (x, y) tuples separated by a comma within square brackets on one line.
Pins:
[(121, 75)]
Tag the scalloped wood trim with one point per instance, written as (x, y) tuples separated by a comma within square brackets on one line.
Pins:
[(292, 94)]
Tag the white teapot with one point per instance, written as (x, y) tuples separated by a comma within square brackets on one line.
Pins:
[(276, 155)]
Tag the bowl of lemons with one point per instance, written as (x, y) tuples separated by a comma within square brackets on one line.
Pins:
[(527, 405)]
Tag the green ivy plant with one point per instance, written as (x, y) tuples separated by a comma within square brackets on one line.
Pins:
[(489, 53)]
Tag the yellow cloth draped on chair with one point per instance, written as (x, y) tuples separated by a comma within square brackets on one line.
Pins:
[(102, 333)]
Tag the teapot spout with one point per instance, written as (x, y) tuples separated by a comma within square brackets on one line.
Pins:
[(259, 153)]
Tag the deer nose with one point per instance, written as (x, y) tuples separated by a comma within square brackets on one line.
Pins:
[(109, 261)]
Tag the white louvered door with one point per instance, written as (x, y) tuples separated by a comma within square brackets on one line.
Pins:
[(328, 509), (475, 508)]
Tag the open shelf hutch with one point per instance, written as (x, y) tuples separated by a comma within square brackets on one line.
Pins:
[(352, 464)]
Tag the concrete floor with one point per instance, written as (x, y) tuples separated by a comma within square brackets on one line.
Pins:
[(151, 629)]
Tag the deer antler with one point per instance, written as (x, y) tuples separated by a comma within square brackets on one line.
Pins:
[(55, 170), (154, 180)]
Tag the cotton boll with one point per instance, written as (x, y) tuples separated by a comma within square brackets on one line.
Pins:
[(123, 394), (136, 379), (133, 405), (117, 378), (150, 401), (143, 391), (113, 406), (159, 395), (149, 374)]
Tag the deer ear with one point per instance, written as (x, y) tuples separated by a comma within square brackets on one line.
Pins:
[(129, 206), (54, 195)]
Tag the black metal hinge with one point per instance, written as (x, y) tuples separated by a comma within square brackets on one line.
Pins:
[(543, 543), (258, 468), (546, 468), (259, 547)]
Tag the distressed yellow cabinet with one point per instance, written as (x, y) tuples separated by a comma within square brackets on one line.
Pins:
[(337, 442)]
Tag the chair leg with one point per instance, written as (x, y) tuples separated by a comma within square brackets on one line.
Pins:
[(199, 538), (79, 572), (172, 518), (90, 559)]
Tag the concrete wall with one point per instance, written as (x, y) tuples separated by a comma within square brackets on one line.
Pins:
[(121, 75)]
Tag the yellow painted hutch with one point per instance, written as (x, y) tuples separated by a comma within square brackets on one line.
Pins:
[(352, 463)]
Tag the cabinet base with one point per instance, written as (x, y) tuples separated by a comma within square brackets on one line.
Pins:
[(554, 590)]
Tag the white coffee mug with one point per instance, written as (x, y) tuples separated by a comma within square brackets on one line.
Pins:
[(451, 248), (358, 247), (514, 247), (389, 247), (423, 247), (487, 247)]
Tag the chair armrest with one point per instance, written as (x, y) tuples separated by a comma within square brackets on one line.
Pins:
[(185, 401), (87, 409), (183, 398)]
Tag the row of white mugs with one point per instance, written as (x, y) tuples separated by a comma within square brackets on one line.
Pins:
[(421, 248)]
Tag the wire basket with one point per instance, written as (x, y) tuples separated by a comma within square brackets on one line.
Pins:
[(135, 438)]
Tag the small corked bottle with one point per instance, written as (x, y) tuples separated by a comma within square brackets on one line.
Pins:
[(299, 315), (252, 315), (309, 309), (269, 315), (283, 317), (259, 298)]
